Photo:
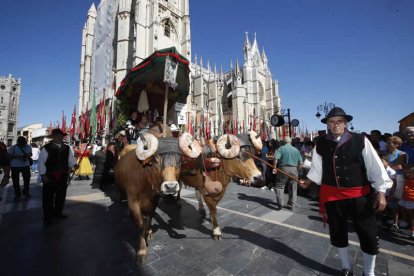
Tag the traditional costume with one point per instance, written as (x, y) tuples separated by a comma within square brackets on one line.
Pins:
[(347, 168), (82, 154), (55, 161)]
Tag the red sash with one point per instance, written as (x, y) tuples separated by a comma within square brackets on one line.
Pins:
[(331, 193)]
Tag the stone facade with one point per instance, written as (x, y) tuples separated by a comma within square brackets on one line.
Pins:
[(9, 108), (121, 33)]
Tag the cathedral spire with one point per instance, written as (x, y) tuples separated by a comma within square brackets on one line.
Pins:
[(247, 42), (196, 64), (237, 72), (92, 10), (264, 56)]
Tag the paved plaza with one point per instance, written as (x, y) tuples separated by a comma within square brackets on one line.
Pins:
[(99, 238)]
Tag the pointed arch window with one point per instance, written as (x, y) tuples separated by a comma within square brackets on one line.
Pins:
[(167, 28)]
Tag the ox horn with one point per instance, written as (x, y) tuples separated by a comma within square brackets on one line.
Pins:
[(256, 141), (144, 141), (228, 147), (228, 144), (147, 145), (189, 146)]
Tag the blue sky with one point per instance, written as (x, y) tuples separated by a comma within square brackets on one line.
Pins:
[(356, 54)]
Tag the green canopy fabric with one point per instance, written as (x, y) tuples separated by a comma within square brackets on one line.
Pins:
[(149, 75)]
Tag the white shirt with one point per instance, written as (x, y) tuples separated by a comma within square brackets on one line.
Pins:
[(44, 155), (375, 169), (35, 153)]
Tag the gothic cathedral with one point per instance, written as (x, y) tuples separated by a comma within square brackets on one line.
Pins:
[(121, 33)]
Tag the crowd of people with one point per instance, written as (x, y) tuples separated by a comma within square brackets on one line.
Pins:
[(352, 175), (396, 152)]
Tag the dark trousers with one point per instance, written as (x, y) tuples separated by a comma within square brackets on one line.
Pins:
[(360, 211), (54, 195), (15, 174)]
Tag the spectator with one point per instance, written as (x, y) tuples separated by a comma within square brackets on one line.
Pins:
[(35, 157), (379, 144), (143, 125), (157, 129), (85, 168), (270, 158), (110, 161), (99, 163), (5, 166), (407, 202), (289, 159), (408, 145), (347, 165), (19, 155), (55, 161), (263, 156), (396, 160), (307, 162), (131, 127)]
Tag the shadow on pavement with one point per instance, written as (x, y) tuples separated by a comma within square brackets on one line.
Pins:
[(93, 240), (271, 204), (279, 248)]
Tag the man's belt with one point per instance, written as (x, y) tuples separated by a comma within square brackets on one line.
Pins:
[(330, 193)]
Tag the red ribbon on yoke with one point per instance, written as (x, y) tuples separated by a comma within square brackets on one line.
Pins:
[(332, 193)]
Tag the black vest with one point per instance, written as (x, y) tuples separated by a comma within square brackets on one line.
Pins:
[(342, 162), (57, 160)]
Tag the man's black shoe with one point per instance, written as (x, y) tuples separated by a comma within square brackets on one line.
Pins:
[(347, 272), (278, 207), (289, 206)]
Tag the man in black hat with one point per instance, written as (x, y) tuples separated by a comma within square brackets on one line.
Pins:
[(55, 161), (349, 171)]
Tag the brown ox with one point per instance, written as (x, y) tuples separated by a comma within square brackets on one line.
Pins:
[(235, 164), (146, 173)]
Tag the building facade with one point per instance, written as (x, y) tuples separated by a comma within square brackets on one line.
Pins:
[(9, 108), (27, 131), (121, 33)]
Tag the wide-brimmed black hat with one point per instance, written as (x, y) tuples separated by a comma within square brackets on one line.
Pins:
[(336, 111), (58, 131)]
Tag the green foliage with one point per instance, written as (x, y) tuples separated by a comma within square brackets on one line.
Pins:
[(122, 109)]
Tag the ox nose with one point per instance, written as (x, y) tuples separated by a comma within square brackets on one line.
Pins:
[(170, 187), (258, 180)]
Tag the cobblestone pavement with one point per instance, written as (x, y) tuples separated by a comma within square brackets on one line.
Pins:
[(99, 238)]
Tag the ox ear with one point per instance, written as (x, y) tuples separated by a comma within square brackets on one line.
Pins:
[(228, 146), (256, 141), (147, 145), (189, 146)]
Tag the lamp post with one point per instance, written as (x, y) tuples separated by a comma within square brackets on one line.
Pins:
[(325, 108), (286, 113)]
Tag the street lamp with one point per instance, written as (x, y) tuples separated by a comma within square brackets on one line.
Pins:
[(278, 120), (324, 108)]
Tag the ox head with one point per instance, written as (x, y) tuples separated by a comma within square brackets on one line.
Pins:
[(235, 150), (164, 154)]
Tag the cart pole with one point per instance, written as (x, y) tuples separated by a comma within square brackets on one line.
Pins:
[(164, 118)]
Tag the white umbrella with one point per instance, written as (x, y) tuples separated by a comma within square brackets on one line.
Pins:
[(143, 102)]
